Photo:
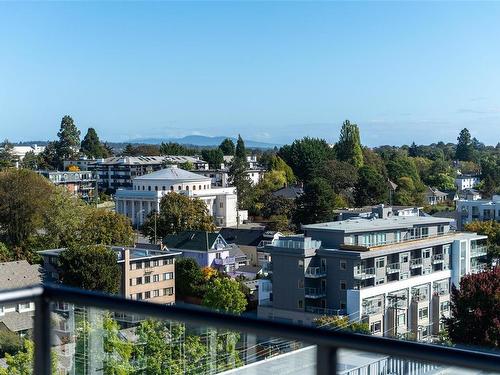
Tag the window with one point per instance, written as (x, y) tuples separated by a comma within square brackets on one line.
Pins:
[(376, 327), (138, 280), (24, 306), (440, 229), (426, 253), (156, 263), (156, 188), (156, 278), (401, 319), (168, 261), (138, 265), (179, 187), (404, 275), (138, 296), (147, 295), (427, 271), (194, 187), (131, 281), (423, 313), (380, 281), (425, 232), (156, 293), (343, 285), (168, 275), (301, 263), (405, 258), (187, 187), (380, 262), (444, 306), (343, 265), (163, 188), (168, 291), (300, 304), (300, 283), (147, 264), (149, 188), (221, 205)]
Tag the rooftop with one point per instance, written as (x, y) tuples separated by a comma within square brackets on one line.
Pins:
[(172, 174), (135, 253), (19, 274), (192, 240), (361, 225)]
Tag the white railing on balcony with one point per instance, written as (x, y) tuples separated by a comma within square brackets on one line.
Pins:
[(393, 267), (478, 251), (364, 273), (415, 263), (323, 311), (437, 258)]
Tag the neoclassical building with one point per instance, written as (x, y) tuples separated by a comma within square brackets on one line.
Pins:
[(148, 190)]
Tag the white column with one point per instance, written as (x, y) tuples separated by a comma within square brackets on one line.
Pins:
[(132, 202), (141, 211)]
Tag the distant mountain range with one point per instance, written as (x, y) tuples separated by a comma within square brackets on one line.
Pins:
[(201, 140)]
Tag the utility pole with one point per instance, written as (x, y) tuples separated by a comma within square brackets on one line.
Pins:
[(393, 301)]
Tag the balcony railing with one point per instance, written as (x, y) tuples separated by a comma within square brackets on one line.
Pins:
[(478, 251), (437, 258), (393, 267), (314, 292), (315, 272), (364, 273), (328, 342), (323, 311), (415, 263)]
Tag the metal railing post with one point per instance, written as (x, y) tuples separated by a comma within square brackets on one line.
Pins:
[(326, 360), (42, 333)]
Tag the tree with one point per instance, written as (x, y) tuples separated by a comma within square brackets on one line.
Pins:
[(21, 363), (341, 323), (172, 148), (238, 177), (10, 342), (475, 310), (49, 159), (69, 141), (371, 188), (278, 164), (224, 294), (465, 150), (240, 152), (279, 223), (91, 267), (406, 193), (341, 175), (104, 227), (188, 278), (277, 206), (5, 256), (227, 147), (30, 161), (92, 146), (413, 150), (317, 203), (348, 148), (118, 352), (178, 213), (23, 199), (6, 155), (306, 157), (214, 157)]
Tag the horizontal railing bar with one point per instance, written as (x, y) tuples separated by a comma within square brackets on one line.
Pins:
[(29, 293), (467, 358)]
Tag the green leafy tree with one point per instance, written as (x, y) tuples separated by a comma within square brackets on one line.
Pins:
[(23, 199), (224, 294), (279, 223), (306, 157), (276, 163), (178, 213), (21, 363), (341, 323), (406, 193), (317, 203), (172, 148), (91, 268), (106, 227), (474, 316), (10, 342), (214, 157), (6, 155), (188, 278), (227, 147), (118, 352), (69, 141), (348, 148), (465, 149), (238, 176), (371, 188), (277, 206), (187, 166), (91, 145), (341, 175)]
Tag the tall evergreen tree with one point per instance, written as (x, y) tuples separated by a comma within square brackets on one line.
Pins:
[(317, 203), (241, 151), (348, 148), (6, 156), (91, 145), (227, 146), (465, 149), (69, 140), (371, 188)]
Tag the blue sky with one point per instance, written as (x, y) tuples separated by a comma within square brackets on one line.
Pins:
[(270, 71)]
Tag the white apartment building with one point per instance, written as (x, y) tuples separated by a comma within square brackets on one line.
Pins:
[(148, 190), (19, 152), (478, 210)]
